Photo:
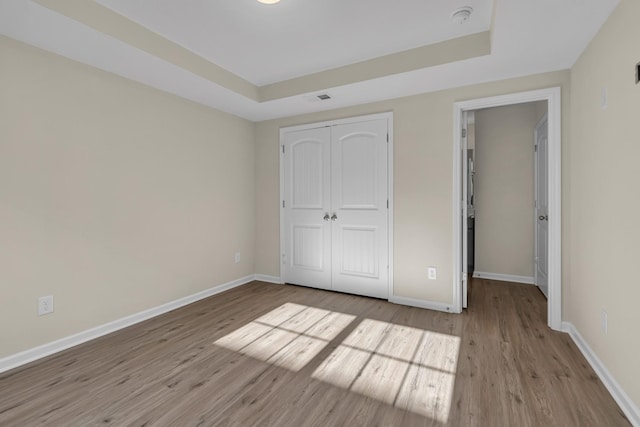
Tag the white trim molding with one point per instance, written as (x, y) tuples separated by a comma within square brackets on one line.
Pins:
[(528, 280), (553, 98), (413, 302), (33, 354), (627, 405), (268, 279)]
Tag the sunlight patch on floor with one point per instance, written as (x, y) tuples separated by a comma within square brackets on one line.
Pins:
[(289, 336), (409, 368)]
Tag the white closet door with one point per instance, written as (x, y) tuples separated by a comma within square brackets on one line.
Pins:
[(359, 208), (307, 199)]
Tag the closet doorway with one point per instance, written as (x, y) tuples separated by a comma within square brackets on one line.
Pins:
[(336, 204)]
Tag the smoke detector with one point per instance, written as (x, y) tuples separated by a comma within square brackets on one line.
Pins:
[(462, 15)]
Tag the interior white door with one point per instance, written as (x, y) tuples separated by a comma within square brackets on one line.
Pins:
[(463, 203), (335, 208), (307, 200), (541, 206), (359, 208)]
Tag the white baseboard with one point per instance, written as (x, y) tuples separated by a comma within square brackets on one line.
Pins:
[(48, 349), (268, 279), (430, 305), (504, 277), (629, 408)]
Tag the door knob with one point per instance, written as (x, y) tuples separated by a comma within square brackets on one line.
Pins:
[(543, 218), (326, 217), (334, 217)]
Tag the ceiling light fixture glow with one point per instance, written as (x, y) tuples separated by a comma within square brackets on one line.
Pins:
[(269, 1), (460, 16)]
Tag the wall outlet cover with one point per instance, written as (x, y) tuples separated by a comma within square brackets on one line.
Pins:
[(45, 305)]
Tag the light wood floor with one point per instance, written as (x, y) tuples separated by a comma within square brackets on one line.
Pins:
[(271, 355)]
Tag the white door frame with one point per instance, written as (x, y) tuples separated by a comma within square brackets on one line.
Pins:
[(387, 116), (463, 153), (553, 98)]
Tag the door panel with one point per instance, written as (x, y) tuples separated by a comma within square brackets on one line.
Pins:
[(542, 207), (358, 187), (359, 202), (359, 257), (307, 200), (307, 247), (308, 174)]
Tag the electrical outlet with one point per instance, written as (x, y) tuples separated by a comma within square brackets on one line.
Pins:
[(237, 258), (604, 322), (432, 273), (45, 305)]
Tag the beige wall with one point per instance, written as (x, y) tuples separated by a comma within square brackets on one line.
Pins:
[(603, 244), (541, 110), (504, 189), (423, 149), (114, 197)]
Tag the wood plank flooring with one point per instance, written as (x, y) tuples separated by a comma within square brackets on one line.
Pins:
[(272, 355)]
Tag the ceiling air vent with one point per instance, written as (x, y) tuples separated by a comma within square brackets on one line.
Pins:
[(317, 97)]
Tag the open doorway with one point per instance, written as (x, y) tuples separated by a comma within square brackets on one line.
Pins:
[(504, 234), (465, 198)]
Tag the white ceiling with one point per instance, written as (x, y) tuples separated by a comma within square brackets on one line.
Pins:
[(269, 43), (266, 44)]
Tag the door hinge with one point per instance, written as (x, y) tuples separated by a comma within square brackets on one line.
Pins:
[(535, 148), (387, 137), (283, 149), (464, 133), (283, 203), (387, 203)]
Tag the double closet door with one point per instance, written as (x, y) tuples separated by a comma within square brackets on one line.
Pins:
[(335, 208)]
